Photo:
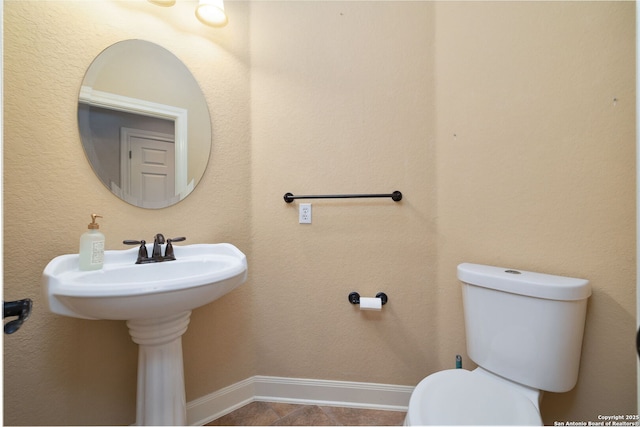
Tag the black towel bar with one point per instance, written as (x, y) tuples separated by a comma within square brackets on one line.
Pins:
[(396, 196)]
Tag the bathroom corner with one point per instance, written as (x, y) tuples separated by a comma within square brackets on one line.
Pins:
[(508, 127)]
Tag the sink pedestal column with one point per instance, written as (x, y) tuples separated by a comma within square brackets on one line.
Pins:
[(161, 397)]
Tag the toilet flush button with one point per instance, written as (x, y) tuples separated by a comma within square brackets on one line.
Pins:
[(512, 271)]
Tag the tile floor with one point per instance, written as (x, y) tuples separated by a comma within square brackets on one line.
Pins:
[(284, 414)]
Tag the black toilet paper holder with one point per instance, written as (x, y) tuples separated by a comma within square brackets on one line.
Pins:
[(354, 297)]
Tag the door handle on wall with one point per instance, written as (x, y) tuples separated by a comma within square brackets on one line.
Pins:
[(20, 308)]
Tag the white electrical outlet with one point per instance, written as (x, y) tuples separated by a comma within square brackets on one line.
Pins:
[(304, 214)]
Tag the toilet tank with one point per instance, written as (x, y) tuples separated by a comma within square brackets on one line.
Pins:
[(524, 326)]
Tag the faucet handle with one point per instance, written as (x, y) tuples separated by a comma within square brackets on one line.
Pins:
[(168, 252), (142, 252)]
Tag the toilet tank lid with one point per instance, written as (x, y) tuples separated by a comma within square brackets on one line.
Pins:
[(522, 282)]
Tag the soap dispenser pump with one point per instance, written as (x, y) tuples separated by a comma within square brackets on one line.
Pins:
[(92, 246)]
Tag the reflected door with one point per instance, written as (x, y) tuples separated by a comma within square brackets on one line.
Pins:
[(148, 166)]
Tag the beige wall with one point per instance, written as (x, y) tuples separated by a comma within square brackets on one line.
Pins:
[(496, 120), (536, 165), (65, 371)]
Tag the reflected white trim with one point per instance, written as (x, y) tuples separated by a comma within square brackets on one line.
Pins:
[(126, 104)]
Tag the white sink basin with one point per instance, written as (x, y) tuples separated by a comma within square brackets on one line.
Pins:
[(156, 300), (123, 290)]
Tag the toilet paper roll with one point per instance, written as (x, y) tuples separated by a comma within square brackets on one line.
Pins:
[(370, 304)]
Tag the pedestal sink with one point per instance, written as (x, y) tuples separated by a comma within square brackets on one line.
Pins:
[(156, 300)]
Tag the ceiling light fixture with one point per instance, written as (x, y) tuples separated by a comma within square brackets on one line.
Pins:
[(211, 12), (165, 3)]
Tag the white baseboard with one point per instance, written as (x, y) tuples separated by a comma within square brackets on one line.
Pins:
[(298, 391)]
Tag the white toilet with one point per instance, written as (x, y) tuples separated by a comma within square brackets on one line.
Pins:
[(524, 331)]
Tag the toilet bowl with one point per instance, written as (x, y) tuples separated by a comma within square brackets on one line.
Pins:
[(524, 331), (461, 397)]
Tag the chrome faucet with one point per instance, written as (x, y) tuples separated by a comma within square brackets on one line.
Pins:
[(156, 253)]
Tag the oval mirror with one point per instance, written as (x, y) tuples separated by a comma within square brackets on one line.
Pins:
[(144, 124)]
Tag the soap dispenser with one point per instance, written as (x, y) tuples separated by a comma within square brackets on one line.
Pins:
[(92, 246)]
